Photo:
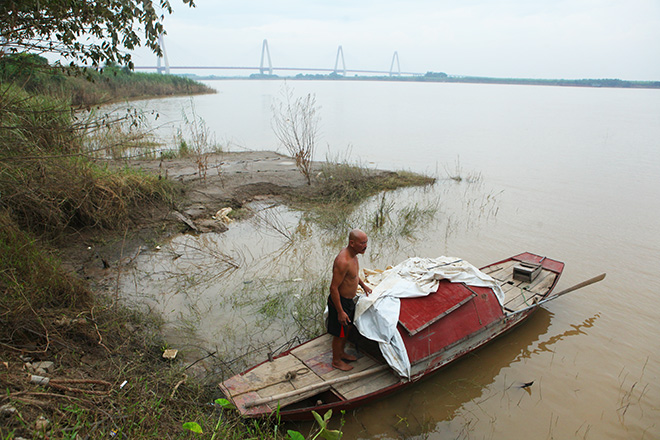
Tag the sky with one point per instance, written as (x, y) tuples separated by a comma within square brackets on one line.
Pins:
[(569, 39)]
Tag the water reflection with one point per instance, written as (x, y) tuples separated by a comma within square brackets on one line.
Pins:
[(454, 401), (422, 408), (546, 346)]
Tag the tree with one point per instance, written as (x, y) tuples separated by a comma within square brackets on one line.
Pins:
[(296, 125), (82, 31)]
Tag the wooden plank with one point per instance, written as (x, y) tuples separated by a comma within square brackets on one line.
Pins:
[(313, 348), (543, 282), (285, 374), (363, 363), (524, 299), (497, 267), (502, 269), (367, 385), (538, 291), (318, 387), (264, 375)]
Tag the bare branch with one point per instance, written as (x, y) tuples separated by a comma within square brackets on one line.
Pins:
[(296, 126)]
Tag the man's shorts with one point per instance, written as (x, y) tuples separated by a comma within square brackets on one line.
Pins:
[(334, 327)]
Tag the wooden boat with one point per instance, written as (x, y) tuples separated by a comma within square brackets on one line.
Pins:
[(436, 329)]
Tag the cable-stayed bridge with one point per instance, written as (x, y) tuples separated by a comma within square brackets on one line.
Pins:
[(266, 66)]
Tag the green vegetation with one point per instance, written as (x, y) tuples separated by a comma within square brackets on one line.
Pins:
[(47, 181), (52, 190), (82, 32), (349, 184), (112, 83), (342, 186)]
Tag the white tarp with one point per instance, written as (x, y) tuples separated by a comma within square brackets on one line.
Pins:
[(377, 315)]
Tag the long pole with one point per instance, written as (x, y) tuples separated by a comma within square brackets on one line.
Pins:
[(564, 292), (315, 386)]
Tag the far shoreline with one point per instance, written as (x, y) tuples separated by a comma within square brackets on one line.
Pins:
[(432, 77)]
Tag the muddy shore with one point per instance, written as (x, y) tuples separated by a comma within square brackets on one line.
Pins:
[(208, 184)]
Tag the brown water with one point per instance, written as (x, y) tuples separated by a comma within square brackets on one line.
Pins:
[(570, 173)]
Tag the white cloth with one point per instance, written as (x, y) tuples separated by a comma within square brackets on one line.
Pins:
[(377, 315)]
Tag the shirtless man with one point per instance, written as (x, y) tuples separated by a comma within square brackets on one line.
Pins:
[(343, 289)]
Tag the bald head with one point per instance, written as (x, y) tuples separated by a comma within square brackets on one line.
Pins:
[(357, 241), (356, 234)]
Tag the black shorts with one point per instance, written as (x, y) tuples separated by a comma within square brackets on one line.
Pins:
[(334, 327)]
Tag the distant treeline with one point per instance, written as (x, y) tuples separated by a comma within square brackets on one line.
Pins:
[(443, 77), (85, 87)]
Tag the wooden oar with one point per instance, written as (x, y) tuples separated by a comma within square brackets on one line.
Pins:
[(316, 386), (565, 291)]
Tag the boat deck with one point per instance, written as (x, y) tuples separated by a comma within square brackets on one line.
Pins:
[(306, 373), (519, 294)]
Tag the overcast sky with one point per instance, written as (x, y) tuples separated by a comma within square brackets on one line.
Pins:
[(500, 38)]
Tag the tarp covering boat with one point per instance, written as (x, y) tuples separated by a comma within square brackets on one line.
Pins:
[(377, 315)]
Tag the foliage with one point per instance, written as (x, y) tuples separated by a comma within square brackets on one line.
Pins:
[(83, 31), (33, 74), (31, 280), (296, 125), (349, 184), (324, 432), (47, 183)]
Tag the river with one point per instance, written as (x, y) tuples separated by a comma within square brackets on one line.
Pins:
[(570, 173)]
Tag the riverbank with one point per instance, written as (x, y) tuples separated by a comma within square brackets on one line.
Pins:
[(209, 183), (105, 361)]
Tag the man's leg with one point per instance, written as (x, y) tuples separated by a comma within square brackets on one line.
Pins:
[(338, 345)]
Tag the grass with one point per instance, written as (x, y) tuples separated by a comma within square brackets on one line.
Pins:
[(112, 84), (49, 184), (34, 287), (149, 397), (51, 189), (340, 187), (344, 183)]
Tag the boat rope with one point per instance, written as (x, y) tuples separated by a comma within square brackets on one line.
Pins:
[(291, 375), (288, 377), (522, 289)]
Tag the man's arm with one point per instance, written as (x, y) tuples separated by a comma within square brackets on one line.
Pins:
[(339, 270), (366, 288)]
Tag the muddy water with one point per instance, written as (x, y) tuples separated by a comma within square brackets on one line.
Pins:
[(570, 173)]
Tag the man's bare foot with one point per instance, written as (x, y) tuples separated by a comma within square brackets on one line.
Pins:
[(348, 357), (341, 365)]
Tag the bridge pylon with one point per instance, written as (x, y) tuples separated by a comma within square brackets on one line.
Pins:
[(265, 53), (162, 59), (395, 58), (340, 55)]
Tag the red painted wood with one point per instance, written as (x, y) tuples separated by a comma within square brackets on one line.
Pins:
[(478, 312), (553, 265), (419, 312)]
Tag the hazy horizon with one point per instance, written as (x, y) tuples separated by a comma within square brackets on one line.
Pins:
[(557, 39)]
